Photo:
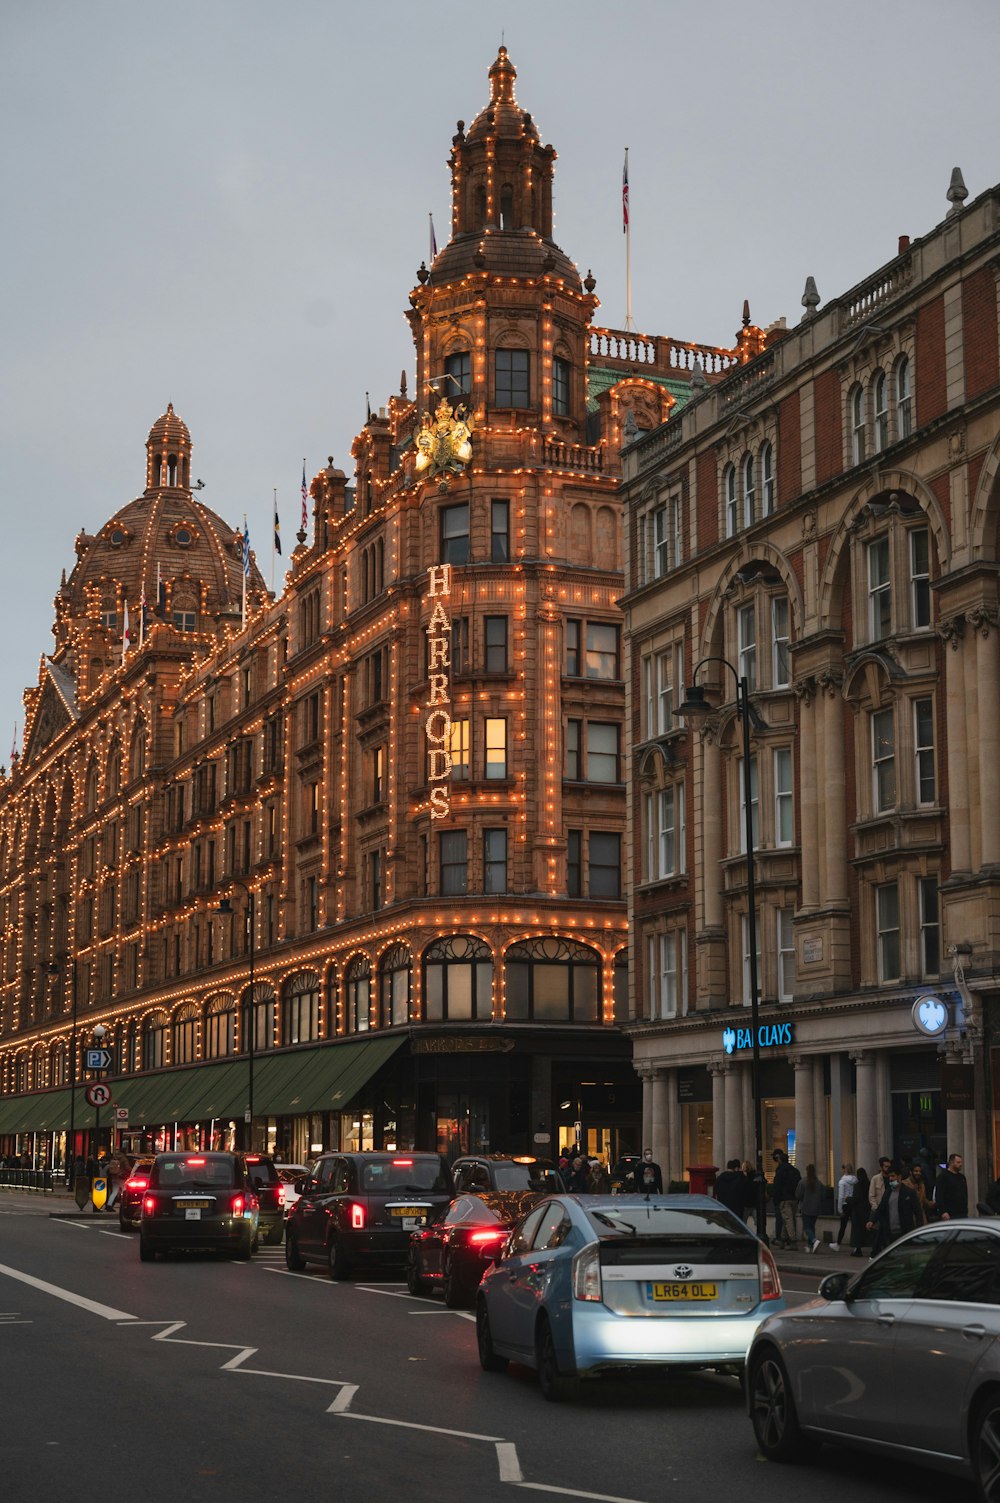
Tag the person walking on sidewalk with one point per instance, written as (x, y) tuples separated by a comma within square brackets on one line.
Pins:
[(876, 1190), (784, 1189), (951, 1193), (809, 1193), (898, 1210), (648, 1175), (731, 1188), (859, 1212), (846, 1186)]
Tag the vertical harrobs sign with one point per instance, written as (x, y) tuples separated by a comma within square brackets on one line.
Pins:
[(437, 722)]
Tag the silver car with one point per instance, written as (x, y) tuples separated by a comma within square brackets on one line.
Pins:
[(596, 1283), (902, 1359)]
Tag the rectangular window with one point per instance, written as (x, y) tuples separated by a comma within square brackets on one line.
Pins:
[(378, 774), (496, 748), (930, 929), (920, 577), (879, 590), (312, 904), (573, 629), (602, 650), (494, 860), (670, 835), (784, 816), (574, 863), (574, 729), (923, 738), (375, 872), (560, 386), (661, 554), (454, 862), (455, 534), (754, 804), (786, 954), (746, 642), (883, 760), (648, 698), (500, 532), (747, 979), (495, 643), (604, 866), (312, 808), (459, 368), (668, 974), (669, 677), (460, 766), (650, 867), (512, 389), (887, 927), (459, 644), (602, 753), (781, 670)]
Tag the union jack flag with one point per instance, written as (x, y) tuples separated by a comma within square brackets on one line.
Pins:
[(625, 195)]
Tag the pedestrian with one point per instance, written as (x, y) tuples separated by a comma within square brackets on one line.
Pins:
[(119, 1169), (784, 1189), (916, 1182), (809, 1193), (578, 1182), (600, 1183), (648, 1175), (750, 1208), (898, 1208), (846, 1186), (876, 1190), (731, 1188), (951, 1192), (859, 1212)]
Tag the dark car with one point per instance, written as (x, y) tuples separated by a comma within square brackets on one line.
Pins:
[(131, 1193), (360, 1209), (269, 1187), (453, 1253), (506, 1171), (198, 1202)]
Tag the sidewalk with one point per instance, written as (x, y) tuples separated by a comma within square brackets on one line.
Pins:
[(57, 1203), (825, 1259)]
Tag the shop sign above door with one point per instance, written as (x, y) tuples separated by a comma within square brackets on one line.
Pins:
[(769, 1036)]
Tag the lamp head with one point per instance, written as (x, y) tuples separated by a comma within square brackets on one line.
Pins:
[(694, 707), (225, 906), (99, 1032)]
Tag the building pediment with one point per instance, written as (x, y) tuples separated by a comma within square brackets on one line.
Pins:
[(54, 710)]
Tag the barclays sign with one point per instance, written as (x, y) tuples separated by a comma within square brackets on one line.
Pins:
[(769, 1036)]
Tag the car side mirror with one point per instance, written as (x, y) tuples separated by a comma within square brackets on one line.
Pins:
[(834, 1286)]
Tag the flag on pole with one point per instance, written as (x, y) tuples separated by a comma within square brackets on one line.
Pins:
[(277, 526), (625, 195), (125, 631), (160, 608), (305, 498), (434, 244), (246, 548)]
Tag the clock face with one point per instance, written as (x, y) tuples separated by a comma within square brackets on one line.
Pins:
[(930, 1015)]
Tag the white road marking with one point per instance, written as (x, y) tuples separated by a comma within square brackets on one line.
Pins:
[(343, 1399), (106, 1312), (572, 1492), (65, 1221), (378, 1419), (510, 1467)]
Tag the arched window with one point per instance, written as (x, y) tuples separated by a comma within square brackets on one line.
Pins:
[(137, 754), (479, 199), (37, 1080), (904, 408), (300, 1009), (358, 994), (154, 1033), (262, 1021), (857, 410), (58, 1065), (458, 980), (90, 790), (552, 980), (729, 493), (749, 491), (394, 972), (880, 406), (184, 1045), (21, 1073), (767, 479), (220, 1017), (506, 207), (114, 778)]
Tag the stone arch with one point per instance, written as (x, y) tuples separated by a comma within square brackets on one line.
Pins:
[(756, 551), (985, 509)]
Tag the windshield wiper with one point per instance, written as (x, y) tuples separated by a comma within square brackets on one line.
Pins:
[(616, 1226)]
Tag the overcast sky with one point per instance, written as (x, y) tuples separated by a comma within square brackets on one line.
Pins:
[(223, 203)]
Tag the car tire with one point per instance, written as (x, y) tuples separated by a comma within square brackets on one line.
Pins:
[(274, 1236), (338, 1264), (146, 1253), (294, 1261), (123, 1225), (772, 1408), (984, 1448), (556, 1386), (489, 1360), (415, 1281), (246, 1249), (456, 1288)]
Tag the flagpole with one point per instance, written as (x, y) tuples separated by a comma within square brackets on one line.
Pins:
[(273, 520), (628, 248), (243, 563)]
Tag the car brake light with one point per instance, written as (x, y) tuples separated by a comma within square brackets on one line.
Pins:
[(357, 1216), (770, 1279), (138, 1183), (149, 1205), (496, 1235), (252, 1158), (402, 1163), (237, 1205), (199, 1162), (587, 1275), (281, 1195)]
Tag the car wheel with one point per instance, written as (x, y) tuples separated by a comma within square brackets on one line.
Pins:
[(146, 1253), (555, 1385), (985, 1448), (274, 1236), (415, 1282), (456, 1288), (489, 1360), (246, 1249), (294, 1261), (772, 1408), (123, 1225), (338, 1263)]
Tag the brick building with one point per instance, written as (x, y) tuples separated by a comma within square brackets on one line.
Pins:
[(405, 775), (825, 520)]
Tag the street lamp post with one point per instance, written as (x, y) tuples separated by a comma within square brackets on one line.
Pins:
[(696, 708), (51, 968), (226, 906)]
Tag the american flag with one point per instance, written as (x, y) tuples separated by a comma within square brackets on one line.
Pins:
[(625, 195), (305, 498)]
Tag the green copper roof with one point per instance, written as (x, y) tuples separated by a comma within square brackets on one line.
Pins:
[(600, 378)]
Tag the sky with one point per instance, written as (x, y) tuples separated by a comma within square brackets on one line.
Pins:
[(223, 204)]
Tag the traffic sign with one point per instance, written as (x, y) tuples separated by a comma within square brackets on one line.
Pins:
[(98, 1094), (121, 1116), (98, 1059)]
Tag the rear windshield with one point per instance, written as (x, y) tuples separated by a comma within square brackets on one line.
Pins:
[(526, 1177), (408, 1172), (204, 1171), (261, 1172), (639, 1218)]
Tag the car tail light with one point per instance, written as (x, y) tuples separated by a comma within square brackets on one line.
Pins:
[(138, 1182), (402, 1163), (238, 1204), (281, 1195), (496, 1234), (198, 1162), (149, 1204), (770, 1279), (357, 1216), (587, 1275), (252, 1158)]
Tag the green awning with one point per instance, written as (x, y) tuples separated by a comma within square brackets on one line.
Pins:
[(324, 1078), (45, 1111)]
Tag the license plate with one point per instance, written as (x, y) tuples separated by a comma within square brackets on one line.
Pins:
[(682, 1292), (190, 1205), (412, 1218), (192, 1213)]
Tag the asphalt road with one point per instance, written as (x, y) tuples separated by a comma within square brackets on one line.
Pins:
[(197, 1379)]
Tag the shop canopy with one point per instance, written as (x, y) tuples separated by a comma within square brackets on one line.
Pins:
[(323, 1078)]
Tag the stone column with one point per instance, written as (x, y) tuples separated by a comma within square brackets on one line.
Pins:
[(988, 678), (658, 1128), (805, 1134), (834, 796), (824, 1167), (645, 1074), (866, 1131), (977, 776), (958, 784), (808, 797), (718, 1074), (711, 760), (734, 1147), (674, 1168)]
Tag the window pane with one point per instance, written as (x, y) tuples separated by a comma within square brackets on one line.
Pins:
[(602, 753), (585, 993), (512, 378), (517, 990), (602, 650), (460, 992), (551, 992), (496, 748), (455, 534)]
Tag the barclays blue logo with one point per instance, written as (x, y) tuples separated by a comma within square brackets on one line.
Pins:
[(729, 1040), (769, 1036)]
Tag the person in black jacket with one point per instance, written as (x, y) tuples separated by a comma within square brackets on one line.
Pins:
[(731, 1188), (951, 1192), (898, 1210), (648, 1175), (783, 1190)]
